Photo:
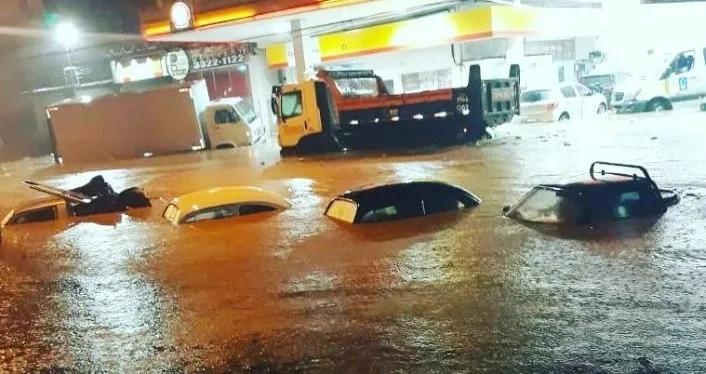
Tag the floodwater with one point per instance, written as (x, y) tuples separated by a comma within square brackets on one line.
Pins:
[(465, 292)]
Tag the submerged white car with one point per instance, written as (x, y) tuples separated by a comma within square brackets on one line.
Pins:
[(561, 103)]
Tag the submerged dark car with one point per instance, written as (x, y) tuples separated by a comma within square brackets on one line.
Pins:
[(399, 201), (609, 196)]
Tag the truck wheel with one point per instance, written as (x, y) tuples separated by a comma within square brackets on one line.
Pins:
[(601, 109), (564, 117), (658, 105)]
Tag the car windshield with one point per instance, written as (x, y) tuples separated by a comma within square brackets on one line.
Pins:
[(535, 96), (246, 111), (544, 205)]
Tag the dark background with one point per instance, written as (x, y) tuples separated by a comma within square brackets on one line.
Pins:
[(100, 15)]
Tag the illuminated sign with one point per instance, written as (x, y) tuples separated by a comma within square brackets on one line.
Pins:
[(180, 16), (139, 69), (177, 62)]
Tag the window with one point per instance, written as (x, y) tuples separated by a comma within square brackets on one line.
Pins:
[(560, 50), (426, 81), (245, 109), (401, 210), (367, 86), (547, 206), (246, 210), (225, 116), (439, 204), (583, 90), (32, 216), (535, 96), (219, 212), (626, 204), (682, 63), (343, 210), (568, 92), (292, 104)]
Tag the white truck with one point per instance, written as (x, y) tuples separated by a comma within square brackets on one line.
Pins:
[(164, 120)]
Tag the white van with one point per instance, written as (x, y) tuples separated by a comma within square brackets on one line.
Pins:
[(680, 77), (230, 123)]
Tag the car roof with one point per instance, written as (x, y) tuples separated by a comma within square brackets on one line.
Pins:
[(382, 191), (214, 197), (36, 204), (591, 185)]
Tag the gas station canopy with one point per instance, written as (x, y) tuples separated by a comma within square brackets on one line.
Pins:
[(344, 29)]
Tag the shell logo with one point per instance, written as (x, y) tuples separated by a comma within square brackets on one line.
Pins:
[(180, 16)]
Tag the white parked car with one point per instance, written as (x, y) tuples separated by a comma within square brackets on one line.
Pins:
[(562, 103)]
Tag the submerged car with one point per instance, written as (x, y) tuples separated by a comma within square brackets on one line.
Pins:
[(609, 195), (226, 202), (95, 197), (399, 201)]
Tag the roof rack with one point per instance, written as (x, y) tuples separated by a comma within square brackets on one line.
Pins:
[(603, 172)]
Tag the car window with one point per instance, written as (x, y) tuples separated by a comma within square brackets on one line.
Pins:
[(583, 90), (401, 210), (568, 92), (547, 206), (32, 216), (626, 204), (343, 210), (438, 204), (535, 96), (291, 104), (248, 209), (225, 116), (219, 212)]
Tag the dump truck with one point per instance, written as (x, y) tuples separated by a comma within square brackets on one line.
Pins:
[(354, 110)]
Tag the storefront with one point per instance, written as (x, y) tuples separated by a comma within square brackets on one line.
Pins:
[(229, 69), (224, 67)]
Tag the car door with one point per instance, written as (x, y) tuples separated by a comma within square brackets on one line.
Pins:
[(590, 100), (572, 101)]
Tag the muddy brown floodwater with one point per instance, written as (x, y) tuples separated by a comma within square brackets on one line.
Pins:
[(295, 292)]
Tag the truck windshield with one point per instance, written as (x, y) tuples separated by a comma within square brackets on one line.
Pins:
[(246, 111)]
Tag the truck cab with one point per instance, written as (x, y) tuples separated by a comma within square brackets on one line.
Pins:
[(306, 117), (230, 123), (680, 77)]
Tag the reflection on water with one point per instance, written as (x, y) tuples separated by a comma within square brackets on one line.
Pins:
[(112, 316)]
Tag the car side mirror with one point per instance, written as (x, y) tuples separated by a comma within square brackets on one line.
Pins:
[(506, 209)]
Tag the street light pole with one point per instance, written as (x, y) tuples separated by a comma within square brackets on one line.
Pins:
[(67, 34)]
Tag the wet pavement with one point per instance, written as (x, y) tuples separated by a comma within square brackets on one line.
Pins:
[(295, 292)]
